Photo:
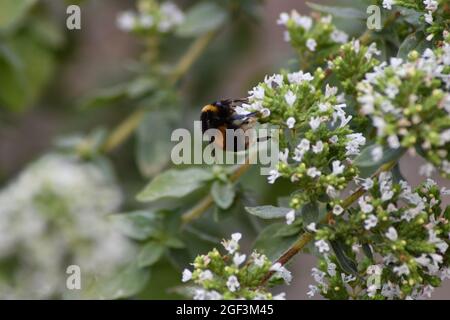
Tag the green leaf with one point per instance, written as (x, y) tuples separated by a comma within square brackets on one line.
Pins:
[(202, 18), (23, 78), (223, 194), (268, 212), (130, 281), (367, 251), (368, 166), (136, 89), (150, 254), (340, 12), (173, 242), (153, 145), (347, 264), (138, 225), (310, 213), (174, 184), (13, 11), (411, 16), (289, 230), (271, 245), (415, 41)]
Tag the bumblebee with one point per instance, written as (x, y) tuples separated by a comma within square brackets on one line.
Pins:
[(221, 115)]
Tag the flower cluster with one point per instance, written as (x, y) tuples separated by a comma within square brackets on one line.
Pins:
[(404, 237), (52, 216), (308, 36), (151, 17), (435, 14), (317, 141), (232, 276), (352, 63), (409, 104)]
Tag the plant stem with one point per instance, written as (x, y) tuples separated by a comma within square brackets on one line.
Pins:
[(208, 201), (124, 130), (305, 238)]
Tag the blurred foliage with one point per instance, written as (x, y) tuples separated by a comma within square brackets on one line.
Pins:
[(29, 43)]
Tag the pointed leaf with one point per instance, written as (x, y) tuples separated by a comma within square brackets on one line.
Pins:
[(268, 212), (175, 184)]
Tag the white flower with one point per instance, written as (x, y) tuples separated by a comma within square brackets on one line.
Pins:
[(377, 153), (331, 269), (338, 168), (290, 217), (314, 123), (322, 246), (431, 5), (275, 80), (370, 222), (313, 290), (393, 141), (283, 155), (258, 259), (257, 93), (199, 294), (238, 259), (391, 90), (313, 172), (290, 122), (387, 4), (326, 19), (429, 17), (286, 36), (318, 147), (171, 16), (205, 275), (330, 91), (339, 36), (303, 21), (367, 183), (304, 145), (337, 210), (126, 21), (265, 113), (402, 270), (334, 139), (391, 234), (375, 269), (232, 245), (280, 296), (372, 290), (284, 18), (290, 98), (356, 140), (282, 272), (187, 275), (299, 77), (213, 295), (372, 50), (311, 44), (233, 283), (332, 193), (311, 227), (146, 21), (274, 175)]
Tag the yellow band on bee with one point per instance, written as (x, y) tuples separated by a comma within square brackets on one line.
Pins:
[(210, 107)]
